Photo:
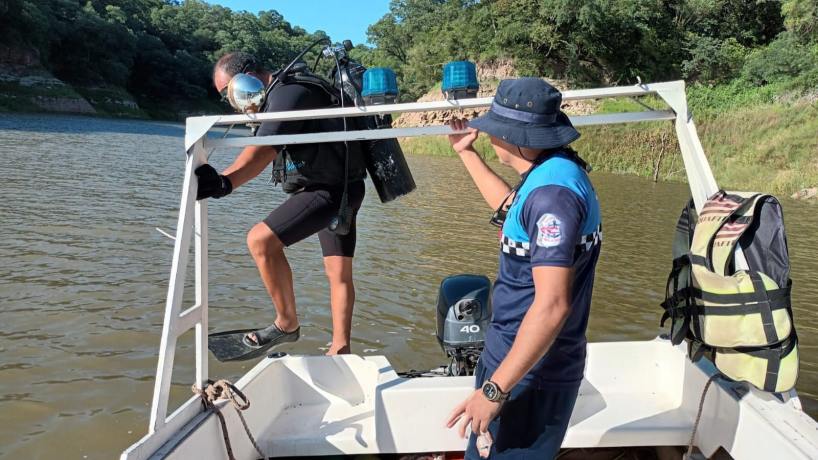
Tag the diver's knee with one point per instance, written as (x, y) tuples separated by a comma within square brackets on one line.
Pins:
[(263, 242), (338, 269)]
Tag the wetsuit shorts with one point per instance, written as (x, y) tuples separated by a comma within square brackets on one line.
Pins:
[(310, 211)]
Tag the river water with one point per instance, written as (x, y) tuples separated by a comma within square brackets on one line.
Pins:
[(84, 274)]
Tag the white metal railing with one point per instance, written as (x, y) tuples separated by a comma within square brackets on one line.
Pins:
[(431, 106), (369, 134), (192, 220)]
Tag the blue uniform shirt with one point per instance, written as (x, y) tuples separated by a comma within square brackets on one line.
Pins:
[(554, 220)]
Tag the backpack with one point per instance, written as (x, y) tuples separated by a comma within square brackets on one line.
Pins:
[(728, 292)]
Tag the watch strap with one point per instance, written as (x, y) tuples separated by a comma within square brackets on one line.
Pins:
[(503, 396)]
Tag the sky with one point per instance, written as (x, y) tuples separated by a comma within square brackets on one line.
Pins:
[(340, 19)]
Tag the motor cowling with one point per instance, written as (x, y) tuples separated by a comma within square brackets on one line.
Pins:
[(463, 315)]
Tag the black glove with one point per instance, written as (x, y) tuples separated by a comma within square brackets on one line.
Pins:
[(211, 183)]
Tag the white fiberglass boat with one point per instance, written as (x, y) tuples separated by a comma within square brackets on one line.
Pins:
[(634, 393)]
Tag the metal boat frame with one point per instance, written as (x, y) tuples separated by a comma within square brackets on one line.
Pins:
[(192, 219)]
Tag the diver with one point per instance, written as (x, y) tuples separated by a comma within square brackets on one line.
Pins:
[(314, 177), (530, 370)]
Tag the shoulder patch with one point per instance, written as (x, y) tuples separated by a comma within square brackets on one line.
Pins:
[(549, 231)]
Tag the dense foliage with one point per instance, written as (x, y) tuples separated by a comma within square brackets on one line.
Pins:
[(160, 51), (601, 41)]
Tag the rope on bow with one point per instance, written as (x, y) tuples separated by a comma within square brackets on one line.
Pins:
[(223, 389)]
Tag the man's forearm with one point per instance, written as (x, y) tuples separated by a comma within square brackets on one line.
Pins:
[(249, 164), (537, 332), (491, 186)]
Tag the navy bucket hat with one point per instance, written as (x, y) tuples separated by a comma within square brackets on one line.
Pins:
[(526, 113)]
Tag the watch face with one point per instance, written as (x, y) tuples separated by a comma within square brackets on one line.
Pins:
[(490, 391)]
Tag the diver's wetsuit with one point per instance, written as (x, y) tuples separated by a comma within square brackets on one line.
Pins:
[(312, 173)]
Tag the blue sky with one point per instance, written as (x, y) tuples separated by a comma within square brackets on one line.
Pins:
[(341, 19)]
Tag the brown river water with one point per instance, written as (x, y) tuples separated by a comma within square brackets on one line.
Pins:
[(83, 274)]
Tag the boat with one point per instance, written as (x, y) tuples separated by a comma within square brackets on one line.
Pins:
[(642, 393)]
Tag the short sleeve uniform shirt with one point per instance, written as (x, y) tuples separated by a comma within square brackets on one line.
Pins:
[(554, 220)]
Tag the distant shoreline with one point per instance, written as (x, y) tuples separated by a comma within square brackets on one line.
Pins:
[(766, 146), (32, 89)]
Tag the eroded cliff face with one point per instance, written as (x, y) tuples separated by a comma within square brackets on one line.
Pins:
[(26, 86)]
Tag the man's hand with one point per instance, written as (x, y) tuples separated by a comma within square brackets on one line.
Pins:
[(475, 409), (211, 183), (462, 142)]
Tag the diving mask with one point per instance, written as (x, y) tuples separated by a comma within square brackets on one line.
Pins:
[(245, 93)]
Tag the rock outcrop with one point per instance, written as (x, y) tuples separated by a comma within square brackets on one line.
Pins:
[(27, 86), (806, 194), (489, 75), (33, 89)]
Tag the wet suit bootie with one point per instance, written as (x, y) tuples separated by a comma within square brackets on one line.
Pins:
[(239, 346)]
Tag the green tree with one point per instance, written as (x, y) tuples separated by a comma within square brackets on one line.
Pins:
[(801, 17), (785, 58)]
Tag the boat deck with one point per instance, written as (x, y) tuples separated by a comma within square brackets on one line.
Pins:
[(634, 394)]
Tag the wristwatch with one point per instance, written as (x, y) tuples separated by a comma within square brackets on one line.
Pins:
[(493, 393)]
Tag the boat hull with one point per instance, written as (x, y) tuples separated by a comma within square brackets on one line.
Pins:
[(634, 394)]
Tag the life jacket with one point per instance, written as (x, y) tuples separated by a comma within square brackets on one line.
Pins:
[(301, 166), (740, 317)]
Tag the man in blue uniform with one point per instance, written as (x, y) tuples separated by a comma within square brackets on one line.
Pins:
[(530, 371)]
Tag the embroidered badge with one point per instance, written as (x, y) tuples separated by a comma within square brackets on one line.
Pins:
[(549, 231)]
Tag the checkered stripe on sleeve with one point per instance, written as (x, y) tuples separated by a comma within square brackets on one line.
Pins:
[(516, 248), (587, 242)]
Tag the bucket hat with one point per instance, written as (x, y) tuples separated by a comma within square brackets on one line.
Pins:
[(526, 113)]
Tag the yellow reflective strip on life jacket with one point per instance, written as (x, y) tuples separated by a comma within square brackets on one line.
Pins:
[(775, 369), (735, 330)]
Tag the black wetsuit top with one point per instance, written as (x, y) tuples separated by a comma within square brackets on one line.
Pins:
[(308, 165)]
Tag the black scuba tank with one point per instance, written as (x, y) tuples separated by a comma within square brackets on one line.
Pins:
[(386, 163), (383, 158)]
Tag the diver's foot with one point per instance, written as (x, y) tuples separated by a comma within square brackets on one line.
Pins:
[(340, 350), (270, 336)]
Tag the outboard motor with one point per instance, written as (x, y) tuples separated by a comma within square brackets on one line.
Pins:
[(463, 314)]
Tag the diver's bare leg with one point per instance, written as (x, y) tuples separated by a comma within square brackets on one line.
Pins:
[(342, 299), (268, 252)]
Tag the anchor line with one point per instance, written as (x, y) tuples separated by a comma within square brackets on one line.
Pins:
[(224, 389), (699, 414)]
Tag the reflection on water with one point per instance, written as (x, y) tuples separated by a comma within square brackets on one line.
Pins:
[(84, 273)]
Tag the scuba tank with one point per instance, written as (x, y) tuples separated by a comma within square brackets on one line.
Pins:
[(384, 158), (386, 163)]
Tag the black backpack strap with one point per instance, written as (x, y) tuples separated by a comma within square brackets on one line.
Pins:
[(674, 298), (696, 350), (764, 307), (302, 76)]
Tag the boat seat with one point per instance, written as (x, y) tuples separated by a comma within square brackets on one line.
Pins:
[(626, 419), (631, 396)]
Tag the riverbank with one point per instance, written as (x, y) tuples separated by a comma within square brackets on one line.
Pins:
[(755, 139), (759, 138), (29, 88)]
